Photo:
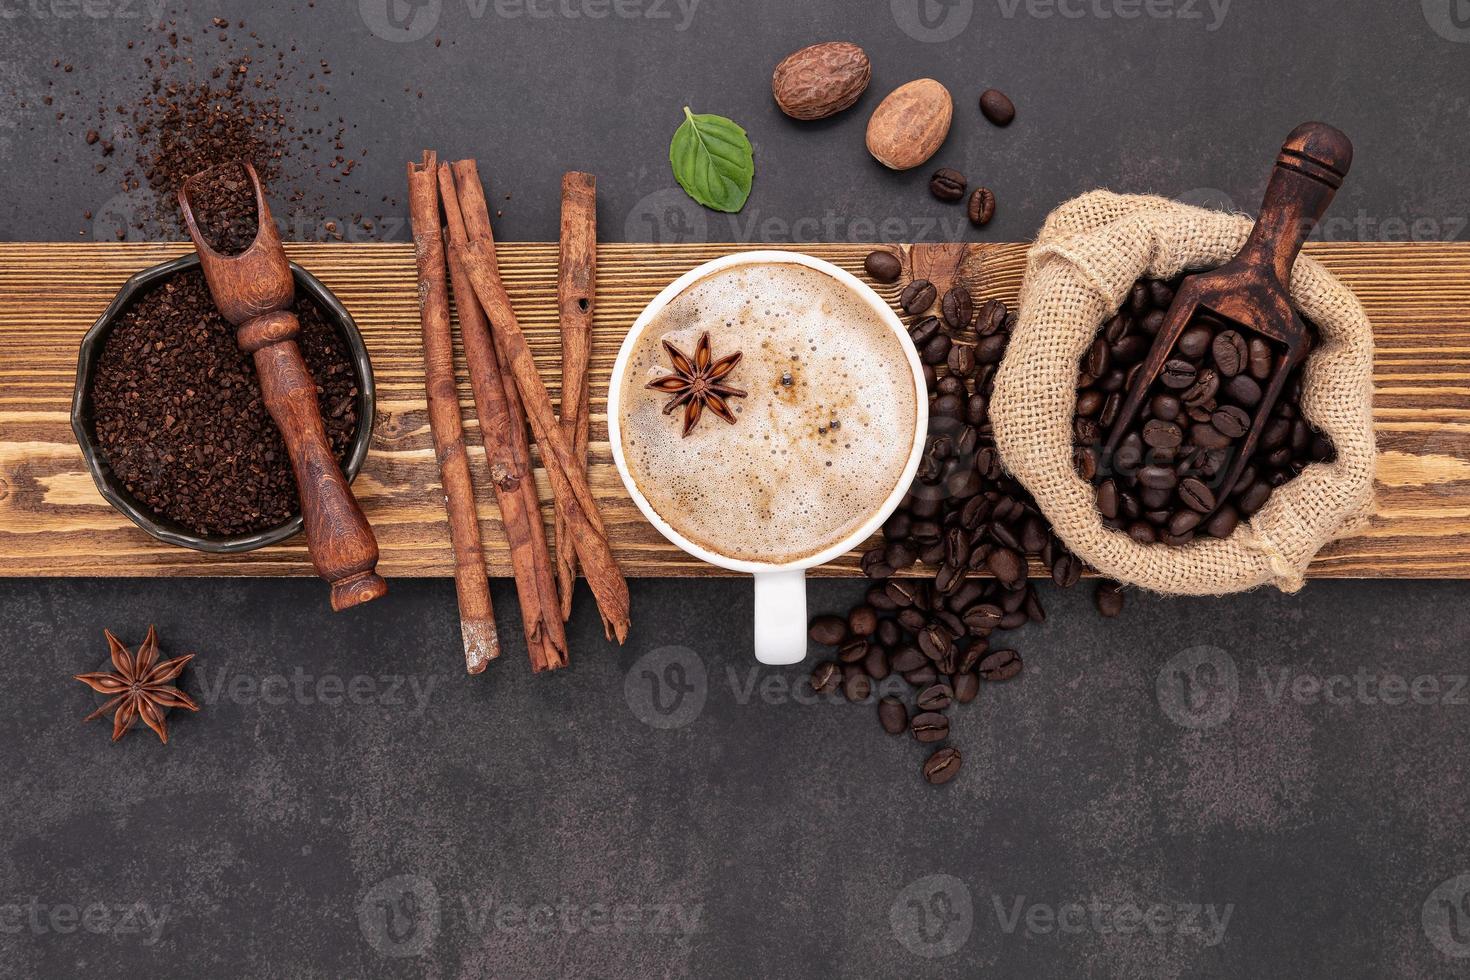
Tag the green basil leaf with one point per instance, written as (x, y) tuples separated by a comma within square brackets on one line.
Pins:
[(713, 161)]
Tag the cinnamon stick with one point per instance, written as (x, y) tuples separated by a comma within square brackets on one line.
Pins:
[(576, 290), (503, 430), (476, 250), (476, 616)]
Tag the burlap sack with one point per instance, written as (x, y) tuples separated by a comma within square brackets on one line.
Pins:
[(1085, 260)]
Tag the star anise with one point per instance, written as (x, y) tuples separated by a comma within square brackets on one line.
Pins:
[(139, 686), (696, 384)]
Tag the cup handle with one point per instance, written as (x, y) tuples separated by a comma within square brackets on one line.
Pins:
[(780, 617)]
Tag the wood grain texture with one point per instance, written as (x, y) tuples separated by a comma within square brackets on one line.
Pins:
[(53, 522)]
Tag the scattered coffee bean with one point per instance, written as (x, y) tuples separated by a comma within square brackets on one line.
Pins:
[(996, 106), (1000, 665), (959, 308), (883, 266), (918, 297), (942, 766), (947, 184), (857, 687), (892, 715), (1109, 599), (929, 726), (828, 631), (981, 207), (936, 697), (826, 677)]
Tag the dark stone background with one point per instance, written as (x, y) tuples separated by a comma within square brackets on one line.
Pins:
[(349, 804)]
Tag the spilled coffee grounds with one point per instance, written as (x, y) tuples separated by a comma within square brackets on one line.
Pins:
[(223, 203), (179, 415)]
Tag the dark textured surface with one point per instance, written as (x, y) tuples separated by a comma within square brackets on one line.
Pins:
[(566, 825)]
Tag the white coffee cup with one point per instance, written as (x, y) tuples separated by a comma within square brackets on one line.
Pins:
[(780, 590)]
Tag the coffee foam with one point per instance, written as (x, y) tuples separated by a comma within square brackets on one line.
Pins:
[(782, 483)]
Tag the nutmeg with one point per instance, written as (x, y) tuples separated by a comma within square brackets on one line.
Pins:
[(910, 125), (820, 80)]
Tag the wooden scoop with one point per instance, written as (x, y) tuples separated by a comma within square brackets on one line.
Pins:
[(1251, 291), (254, 290)]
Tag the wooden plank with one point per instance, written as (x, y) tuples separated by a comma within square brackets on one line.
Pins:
[(53, 522)]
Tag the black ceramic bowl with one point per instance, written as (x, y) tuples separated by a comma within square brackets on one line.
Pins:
[(107, 481)]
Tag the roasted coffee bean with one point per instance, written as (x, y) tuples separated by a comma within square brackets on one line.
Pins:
[(991, 349), (1143, 532), (1261, 361), (901, 591), (947, 184), (924, 330), (1206, 436), (906, 659), (1196, 496), (1066, 570), (959, 308), (935, 641), (961, 360), (1006, 565), (862, 621), (936, 351), (981, 206), (1138, 299), (875, 664), (1108, 598), (1178, 374), (1084, 460), (1254, 498), (992, 316), (892, 715), (976, 409), (900, 555), (883, 266), (918, 297), (873, 565), (1107, 499), (857, 687), (1152, 322), (1230, 353), (942, 766), (889, 633), (827, 631), (996, 106), (1193, 343), (1184, 521), (981, 619), (1162, 435), (1231, 421), (966, 686), (950, 384), (1165, 408), (923, 676), (1223, 523), (1152, 498), (1205, 387), (935, 697), (999, 665), (852, 651), (929, 726), (1158, 477), (826, 677), (879, 600), (1098, 360), (1085, 431), (1243, 390), (1090, 402)]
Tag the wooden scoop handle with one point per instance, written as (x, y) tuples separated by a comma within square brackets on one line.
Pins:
[(338, 536), (1309, 170)]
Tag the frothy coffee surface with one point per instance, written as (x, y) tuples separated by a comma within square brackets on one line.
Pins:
[(821, 439)]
